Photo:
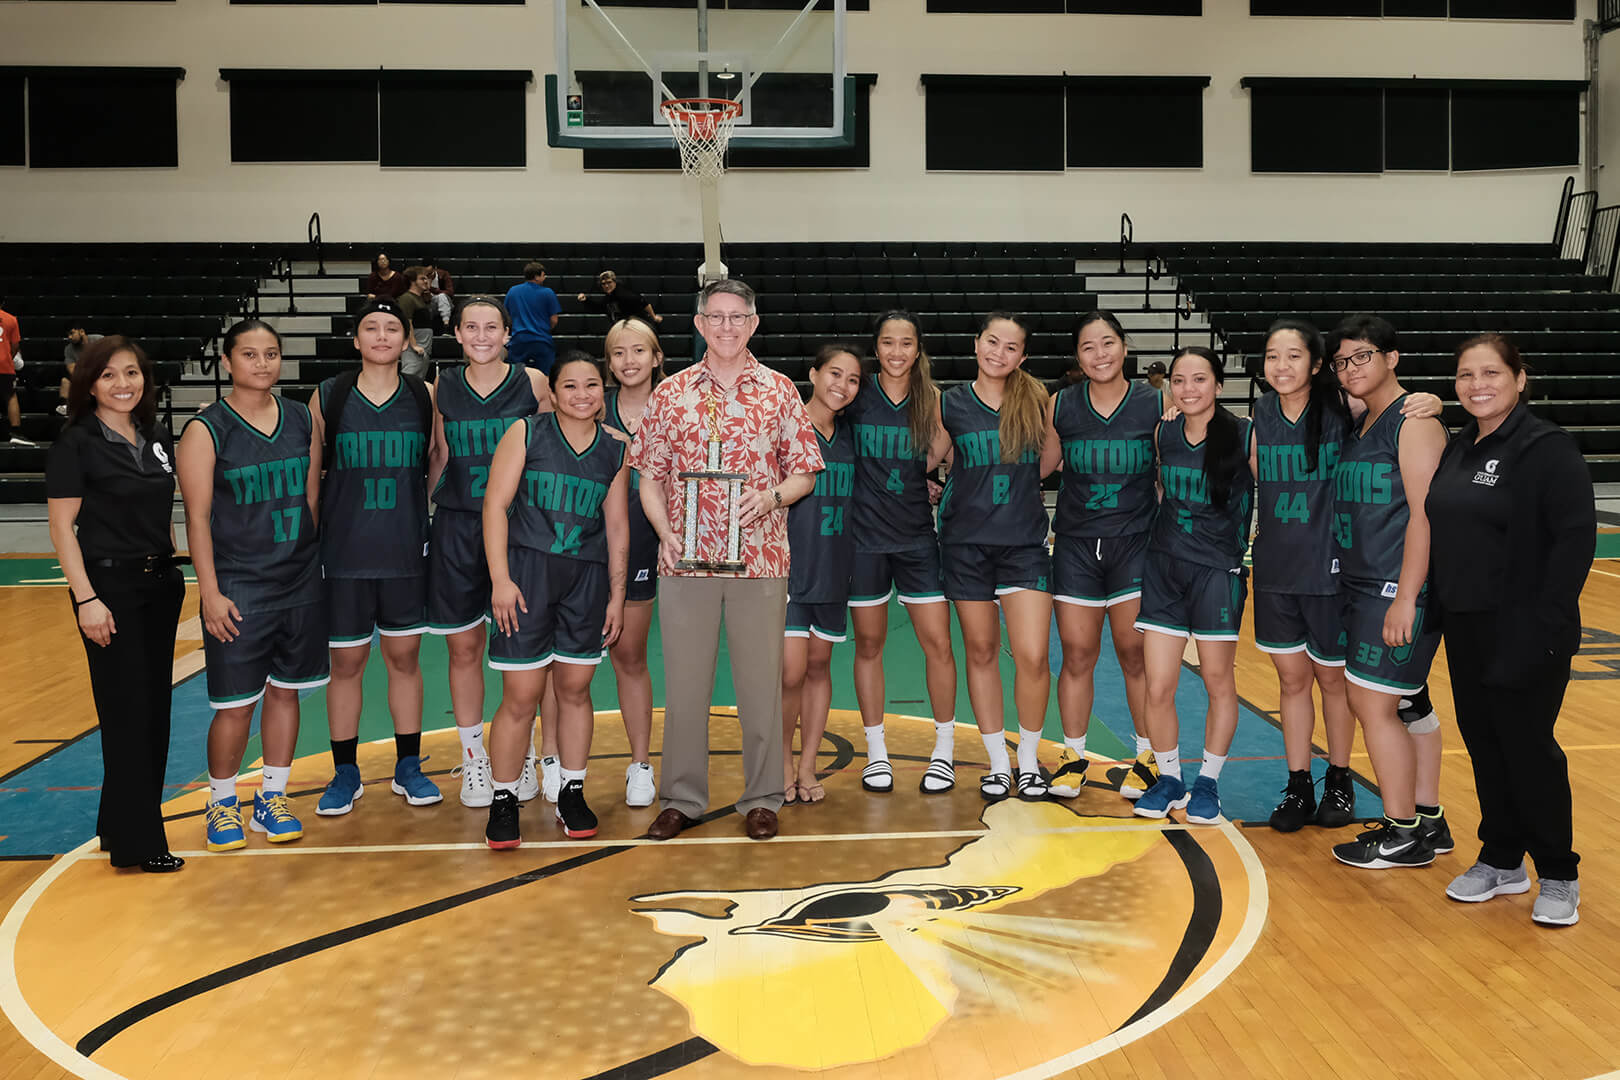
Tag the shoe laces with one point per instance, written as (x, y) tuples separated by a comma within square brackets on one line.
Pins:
[(276, 808), (1558, 890), (220, 816)]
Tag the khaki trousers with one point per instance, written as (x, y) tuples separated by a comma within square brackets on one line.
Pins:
[(690, 611)]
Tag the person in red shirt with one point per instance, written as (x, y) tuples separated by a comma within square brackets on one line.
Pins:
[(10, 361), (766, 435)]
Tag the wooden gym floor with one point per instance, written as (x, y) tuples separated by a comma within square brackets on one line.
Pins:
[(880, 936)]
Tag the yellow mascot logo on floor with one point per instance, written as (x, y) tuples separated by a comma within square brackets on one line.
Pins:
[(851, 972)]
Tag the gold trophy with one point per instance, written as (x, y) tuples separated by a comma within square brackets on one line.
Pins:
[(733, 486)]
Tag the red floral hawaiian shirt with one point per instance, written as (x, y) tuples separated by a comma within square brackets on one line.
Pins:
[(765, 433)]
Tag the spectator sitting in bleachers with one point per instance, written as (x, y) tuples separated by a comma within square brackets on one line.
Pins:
[(384, 281), (77, 342), (416, 303), (443, 289), (10, 360), (619, 300)]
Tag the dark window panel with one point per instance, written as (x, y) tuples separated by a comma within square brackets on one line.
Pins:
[(304, 116), (994, 123), (1426, 9), (617, 98), (1417, 129), (1515, 127), (488, 128), (98, 118), (1320, 129), (1513, 9), (1136, 123), (13, 150), (995, 7), (1370, 8), (1136, 7)]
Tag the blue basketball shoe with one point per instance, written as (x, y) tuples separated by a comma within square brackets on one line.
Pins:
[(342, 792), (409, 782), (1204, 804), (1166, 795), (273, 816), (224, 819)]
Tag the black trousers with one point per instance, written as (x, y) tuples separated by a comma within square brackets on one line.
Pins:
[(1520, 772), (8, 386), (132, 680)]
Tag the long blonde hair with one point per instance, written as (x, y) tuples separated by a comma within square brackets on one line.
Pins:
[(922, 411), (1023, 400), (633, 327)]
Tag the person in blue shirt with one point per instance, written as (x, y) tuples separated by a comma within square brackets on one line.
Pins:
[(534, 309)]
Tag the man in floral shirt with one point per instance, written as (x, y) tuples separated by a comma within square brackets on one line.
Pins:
[(767, 436)]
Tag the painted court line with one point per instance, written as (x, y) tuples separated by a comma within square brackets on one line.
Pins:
[(694, 841)]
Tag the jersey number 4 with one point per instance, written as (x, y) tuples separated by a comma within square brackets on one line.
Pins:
[(894, 483), (1291, 508)]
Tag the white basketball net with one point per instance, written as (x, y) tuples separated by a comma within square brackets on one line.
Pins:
[(702, 130)]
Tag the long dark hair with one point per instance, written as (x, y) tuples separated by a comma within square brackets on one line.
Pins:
[(922, 410), (93, 361), (1077, 374), (1327, 396), (1223, 442)]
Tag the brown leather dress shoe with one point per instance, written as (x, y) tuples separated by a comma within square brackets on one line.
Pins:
[(760, 823), (668, 825)]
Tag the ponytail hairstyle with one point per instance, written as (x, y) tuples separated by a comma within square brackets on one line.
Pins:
[(1224, 452), (1077, 374), (247, 326), (922, 404), (1327, 396), (1023, 399)]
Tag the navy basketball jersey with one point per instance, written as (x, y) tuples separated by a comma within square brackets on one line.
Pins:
[(987, 501), (1109, 482), (266, 552), (890, 510), (1293, 544), (639, 525), (473, 426), (820, 545), (1189, 526), (558, 509), (374, 519), (1370, 510)]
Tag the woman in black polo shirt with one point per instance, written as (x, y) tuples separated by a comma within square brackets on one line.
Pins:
[(111, 474), (1514, 528)]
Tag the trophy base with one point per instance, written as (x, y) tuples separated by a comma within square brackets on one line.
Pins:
[(719, 566)]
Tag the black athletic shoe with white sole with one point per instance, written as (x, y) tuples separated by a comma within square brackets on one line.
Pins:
[(577, 820), (1386, 845), (1298, 803), (501, 834), (1436, 833), (1337, 807)]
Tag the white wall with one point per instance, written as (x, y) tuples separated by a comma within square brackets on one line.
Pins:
[(207, 197)]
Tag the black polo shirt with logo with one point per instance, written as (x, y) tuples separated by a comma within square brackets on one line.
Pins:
[(1469, 510), (126, 490)]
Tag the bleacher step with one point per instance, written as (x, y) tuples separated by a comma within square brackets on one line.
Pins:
[(277, 304)]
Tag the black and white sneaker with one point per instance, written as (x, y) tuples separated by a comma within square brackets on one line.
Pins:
[(878, 776), (501, 834), (577, 820), (1338, 805), (1031, 786), (1298, 803), (1386, 846), (938, 778), (994, 787), (1436, 833)]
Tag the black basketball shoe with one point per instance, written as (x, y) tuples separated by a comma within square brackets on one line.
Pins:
[(1436, 833), (1386, 845), (577, 820), (501, 833), (1338, 806), (1298, 803)]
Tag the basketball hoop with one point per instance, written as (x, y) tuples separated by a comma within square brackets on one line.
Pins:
[(702, 128)]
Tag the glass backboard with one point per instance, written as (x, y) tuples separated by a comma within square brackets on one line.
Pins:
[(781, 60)]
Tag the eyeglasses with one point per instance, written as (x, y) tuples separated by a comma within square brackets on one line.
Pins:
[(1360, 359), (734, 319)]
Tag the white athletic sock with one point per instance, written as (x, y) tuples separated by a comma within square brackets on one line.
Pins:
[(944, 739), (1212, 765), (573, 774), (1169, 762), (995, 744), (876, 749), (1029, 748), (1078, 745), (275, 780), (512, 787), (472, 741), (1143, 745), (221, 788)]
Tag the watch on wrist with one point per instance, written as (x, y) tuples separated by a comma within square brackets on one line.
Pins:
[(777, 495)]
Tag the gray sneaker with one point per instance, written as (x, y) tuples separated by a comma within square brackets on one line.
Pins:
[(1481, 882), (1558, 904)]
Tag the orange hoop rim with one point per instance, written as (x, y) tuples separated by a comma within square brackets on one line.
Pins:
[(682, 108)]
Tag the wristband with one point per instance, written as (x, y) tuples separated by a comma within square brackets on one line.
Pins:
[(77, 604)]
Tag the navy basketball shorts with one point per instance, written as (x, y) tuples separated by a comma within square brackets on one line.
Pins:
[(987, 571), (567, 601), (641, 582), (1184, 599), (829, 622), (284, 648), (355, 607), (458, 573), (914, 574), (1371, 664), (1098, 571), (1290, 623)]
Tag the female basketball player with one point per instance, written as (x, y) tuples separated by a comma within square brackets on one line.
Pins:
[(1193, 579), (557, 568), (993, 529), (246, 474), (1381, 482), (636, 363), (892, 522), (474, 405), (1099, 429), (818, 574)]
